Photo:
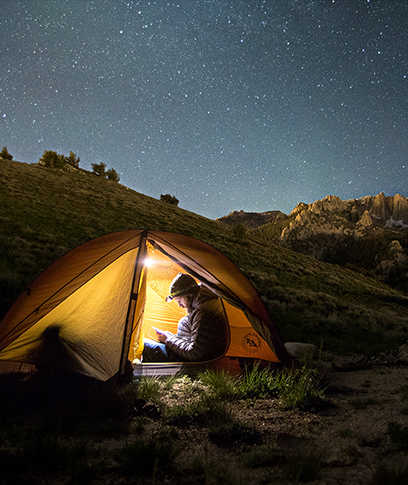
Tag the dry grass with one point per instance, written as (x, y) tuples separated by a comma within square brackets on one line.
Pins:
[(44, 213)]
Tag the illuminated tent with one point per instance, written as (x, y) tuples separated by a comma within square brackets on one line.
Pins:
[(105, 296)]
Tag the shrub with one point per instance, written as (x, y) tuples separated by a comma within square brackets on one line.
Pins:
[(222, 384), (73, 160), (169, 199), (53, 160), (148, 388), (5, 154), (113, 175), (205, 411), (391, 472), (42, 452), (99, 168), (234, 432), (296, 389), (301, 389), (258, 383), (146, 457), (306, 465), (240, 232), (263, 456)]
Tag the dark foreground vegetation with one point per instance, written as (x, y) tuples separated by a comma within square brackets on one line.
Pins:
[(263, 428), (67, 428), (46, 212)]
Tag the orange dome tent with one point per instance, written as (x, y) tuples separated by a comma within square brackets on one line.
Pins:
[(105, 296)]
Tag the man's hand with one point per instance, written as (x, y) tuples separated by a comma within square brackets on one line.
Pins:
[(161, 337)]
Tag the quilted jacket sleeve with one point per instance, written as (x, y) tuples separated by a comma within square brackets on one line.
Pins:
[(209, 334)]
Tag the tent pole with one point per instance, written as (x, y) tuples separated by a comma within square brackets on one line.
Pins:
[(132, 305)]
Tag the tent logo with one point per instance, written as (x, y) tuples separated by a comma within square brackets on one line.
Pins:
[(251, 342)]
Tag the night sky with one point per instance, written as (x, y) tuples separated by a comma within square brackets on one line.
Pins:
[(225, 104)]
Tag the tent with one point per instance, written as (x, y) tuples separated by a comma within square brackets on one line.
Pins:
[(105, 295)]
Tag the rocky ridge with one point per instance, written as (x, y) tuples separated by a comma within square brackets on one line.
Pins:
[(355, 217), (252, 219), (349, 217), (370, 232)]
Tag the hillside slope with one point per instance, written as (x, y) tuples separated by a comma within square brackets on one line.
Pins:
[(44, 213)]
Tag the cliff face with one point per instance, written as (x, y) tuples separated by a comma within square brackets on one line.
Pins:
[(332, 213), (354, 217), (392, 211), (370, 232)]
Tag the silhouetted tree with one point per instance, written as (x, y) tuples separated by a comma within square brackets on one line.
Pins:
[(5, 154), (73, 160), (169, 199), (99, 168), (53, 160), (113, 175)]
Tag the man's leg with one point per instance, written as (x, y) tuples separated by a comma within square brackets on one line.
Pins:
[(154, 351)]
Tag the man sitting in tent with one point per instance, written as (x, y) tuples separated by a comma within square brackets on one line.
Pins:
[(202, 334)]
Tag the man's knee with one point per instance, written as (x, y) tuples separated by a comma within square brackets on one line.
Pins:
[(154, 351)]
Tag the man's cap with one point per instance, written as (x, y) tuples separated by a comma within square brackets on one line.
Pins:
[(183, 284)]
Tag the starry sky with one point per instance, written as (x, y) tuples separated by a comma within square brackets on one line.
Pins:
[(228, 105)]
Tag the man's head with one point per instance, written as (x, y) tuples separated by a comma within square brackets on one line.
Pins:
[(181, 289)]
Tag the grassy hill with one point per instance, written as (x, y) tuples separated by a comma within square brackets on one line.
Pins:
[(44, 213)]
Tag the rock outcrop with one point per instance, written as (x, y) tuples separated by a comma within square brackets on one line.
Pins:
[(367, 233), (391, 211), (355, 217), (252, 219)]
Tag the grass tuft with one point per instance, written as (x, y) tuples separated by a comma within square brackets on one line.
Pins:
[(398, 435), (305, 466), (263, 456), (234, 433), (221, 383), (204, 411), (147, 457), (391, 472)]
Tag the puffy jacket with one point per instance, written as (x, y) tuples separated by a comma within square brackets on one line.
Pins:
[(204, 333)]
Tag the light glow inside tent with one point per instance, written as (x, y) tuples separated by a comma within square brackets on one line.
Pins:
[(158, 313)]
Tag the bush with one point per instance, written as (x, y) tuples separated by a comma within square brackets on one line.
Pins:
[(263, 456), (146, 457), (99, 168), (112, 174), (232, 433), (206, 411), (73, 160), (391, 472), (169, 199), (53, 160), (222, 384), (5, 154)]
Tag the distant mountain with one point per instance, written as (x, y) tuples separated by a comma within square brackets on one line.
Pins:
[(377, 210), (383, 211), (252, 219), (369, 233)]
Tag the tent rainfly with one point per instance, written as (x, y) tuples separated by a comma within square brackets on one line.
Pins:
[(105, 295)]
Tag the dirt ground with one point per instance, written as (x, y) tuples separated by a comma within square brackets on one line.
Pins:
[(345, 439), (349, 436)]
